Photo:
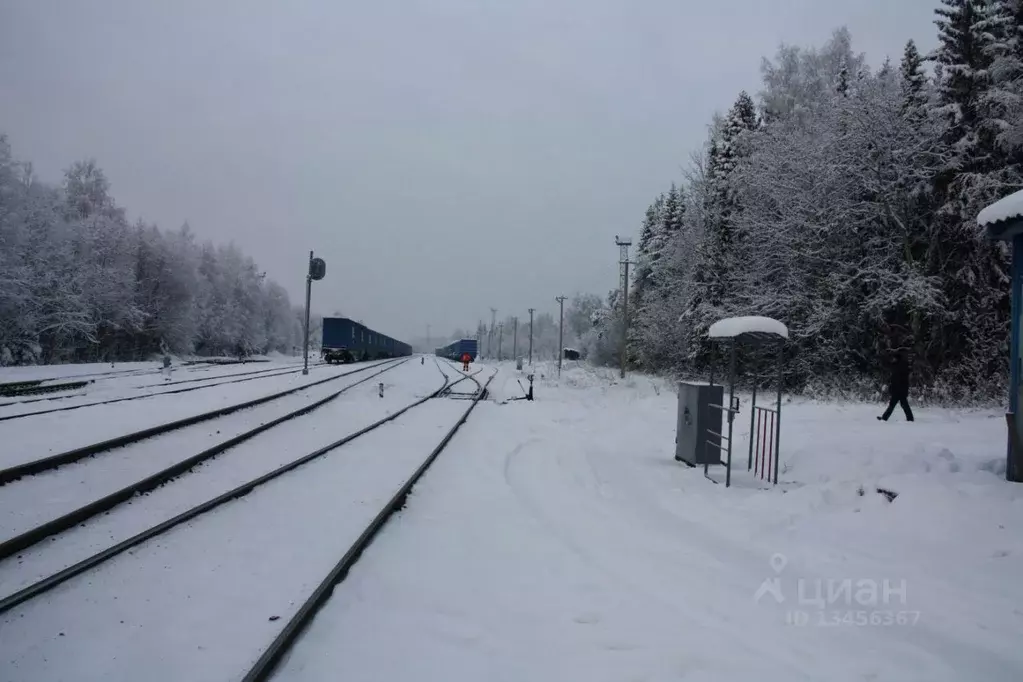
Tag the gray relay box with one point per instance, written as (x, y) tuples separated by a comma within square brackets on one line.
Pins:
[(695, 418)]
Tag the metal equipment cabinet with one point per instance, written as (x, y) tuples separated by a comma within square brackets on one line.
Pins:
[(695, 419)]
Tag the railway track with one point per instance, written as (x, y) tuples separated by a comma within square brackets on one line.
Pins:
[(65, 396), (268, 371), (85, 509), (34, 388), (146, 395), (289, 634), (319, 502), (13, 473), (140, 371), (113, 374)]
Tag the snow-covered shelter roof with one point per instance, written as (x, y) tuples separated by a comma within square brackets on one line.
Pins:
[(1004, 218), (759, 328)]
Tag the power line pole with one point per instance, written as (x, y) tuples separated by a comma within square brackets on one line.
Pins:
[(515, 339), (561, 330), (500, 338), (493, 325), (531, 335), (623, 262)]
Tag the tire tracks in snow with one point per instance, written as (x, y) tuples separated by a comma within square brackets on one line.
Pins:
[(618, 521), (520, 489), (919, 641)]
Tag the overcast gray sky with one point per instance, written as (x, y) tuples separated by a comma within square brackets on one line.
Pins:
[(443, 156)]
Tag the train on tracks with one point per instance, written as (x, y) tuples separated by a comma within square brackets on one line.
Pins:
[(347, 341), (454, 351)]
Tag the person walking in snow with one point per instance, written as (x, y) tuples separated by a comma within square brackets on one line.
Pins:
[(466, 359), (898, 388)]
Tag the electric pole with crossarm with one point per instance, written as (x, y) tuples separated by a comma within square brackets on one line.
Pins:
[(561, 330), (623, 261), (531, 311)]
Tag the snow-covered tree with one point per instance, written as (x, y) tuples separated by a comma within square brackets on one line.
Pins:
[(913, 79), (847, 210), (77, 282), (974, 271), (1002, 101), (648, 249)]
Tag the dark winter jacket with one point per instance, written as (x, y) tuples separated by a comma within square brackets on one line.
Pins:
[(899, 384)]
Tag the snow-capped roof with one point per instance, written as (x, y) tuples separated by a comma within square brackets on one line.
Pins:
[(731, 327), (1006, 208)]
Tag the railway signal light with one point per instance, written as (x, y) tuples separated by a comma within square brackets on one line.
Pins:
[(317, 268)]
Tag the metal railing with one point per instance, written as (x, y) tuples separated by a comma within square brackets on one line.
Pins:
[(763, 443), (724, 444), (764, 437)]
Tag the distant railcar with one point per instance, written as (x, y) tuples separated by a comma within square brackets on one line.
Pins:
[(454, 351), (347, 341)]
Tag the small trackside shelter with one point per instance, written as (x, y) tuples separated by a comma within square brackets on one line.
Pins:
[(1003, 221), (714, 445)]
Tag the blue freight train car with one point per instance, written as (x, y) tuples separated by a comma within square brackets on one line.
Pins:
[(454, 351), (346, 341)]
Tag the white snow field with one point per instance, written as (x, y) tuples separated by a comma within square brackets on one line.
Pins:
[(559, 540), (554, 540)]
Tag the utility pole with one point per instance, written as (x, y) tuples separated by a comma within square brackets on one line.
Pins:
[(493, 325), (515, 339), (531, 310), (561, 330), (623, 262), (500, 338)]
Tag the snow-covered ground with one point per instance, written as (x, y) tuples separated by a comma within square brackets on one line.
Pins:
[(145, 383), (73, 371), (99, 370), (34, 500), (65, 489), (201, 601), (560, 540), (556, 539)]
